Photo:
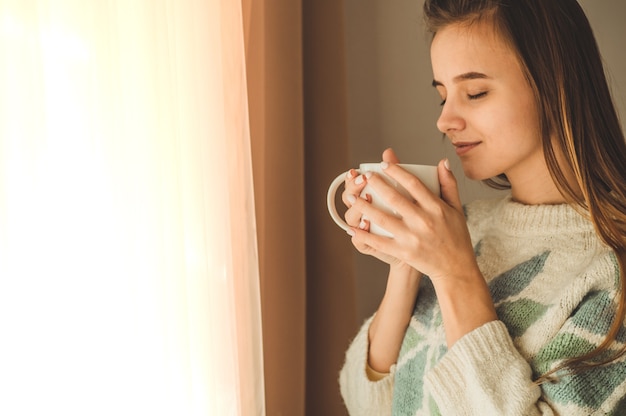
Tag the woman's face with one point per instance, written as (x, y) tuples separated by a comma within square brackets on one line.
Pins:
[(488, 110)]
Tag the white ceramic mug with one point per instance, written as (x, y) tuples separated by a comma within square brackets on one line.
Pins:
[(426, 174)]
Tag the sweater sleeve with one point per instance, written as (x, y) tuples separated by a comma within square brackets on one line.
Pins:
[(362, 396), (484, 374)]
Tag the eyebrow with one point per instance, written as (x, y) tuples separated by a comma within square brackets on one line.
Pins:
[(463, 77)]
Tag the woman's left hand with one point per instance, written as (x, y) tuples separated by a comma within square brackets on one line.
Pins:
[(431, 236)]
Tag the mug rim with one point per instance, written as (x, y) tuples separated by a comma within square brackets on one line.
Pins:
[(376, 166)]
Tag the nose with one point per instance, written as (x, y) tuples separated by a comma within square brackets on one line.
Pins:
[(450, 119)]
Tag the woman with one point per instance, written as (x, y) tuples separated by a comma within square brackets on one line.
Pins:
[(512, 306)]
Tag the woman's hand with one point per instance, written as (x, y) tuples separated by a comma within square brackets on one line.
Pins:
[(354, 185), (431, 234)]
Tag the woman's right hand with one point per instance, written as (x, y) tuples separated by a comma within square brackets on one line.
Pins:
[(354, 185)]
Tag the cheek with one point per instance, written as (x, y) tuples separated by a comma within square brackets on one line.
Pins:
[(519, 124), (525, 118)]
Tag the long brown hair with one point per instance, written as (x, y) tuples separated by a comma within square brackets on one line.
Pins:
[(559, 55)]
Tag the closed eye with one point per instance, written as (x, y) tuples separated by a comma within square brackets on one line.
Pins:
[(470, 96), (477, 96)]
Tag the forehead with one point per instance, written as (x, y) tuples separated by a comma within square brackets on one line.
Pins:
[(476, 47)]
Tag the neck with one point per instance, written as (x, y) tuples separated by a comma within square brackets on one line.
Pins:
[(533, 184), (536, 195), (535, 188)]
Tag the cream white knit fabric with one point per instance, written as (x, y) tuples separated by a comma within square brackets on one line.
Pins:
[(553, 283)]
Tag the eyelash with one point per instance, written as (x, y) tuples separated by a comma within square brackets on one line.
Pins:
[(477, 96), (471, 97)]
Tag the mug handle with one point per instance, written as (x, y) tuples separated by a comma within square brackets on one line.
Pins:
[(330, 200)]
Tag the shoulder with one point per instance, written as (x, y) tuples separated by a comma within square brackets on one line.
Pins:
[(603, 272)]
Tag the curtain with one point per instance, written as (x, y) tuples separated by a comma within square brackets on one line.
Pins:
[(297, 100), (128, 259), (331, 280), (273, 34)]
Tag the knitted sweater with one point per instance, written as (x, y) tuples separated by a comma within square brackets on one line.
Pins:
[(553, 283)]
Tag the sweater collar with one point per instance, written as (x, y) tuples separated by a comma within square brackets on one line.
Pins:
[(540, 219)]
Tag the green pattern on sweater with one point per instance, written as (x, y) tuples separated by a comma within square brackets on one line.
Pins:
[(589, 389), (513, 281), (432, 406), (560, 347), (520, 314), (416, 354), (526, 297), (596, 313)]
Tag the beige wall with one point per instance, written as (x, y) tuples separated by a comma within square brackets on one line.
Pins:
[(607, 20), (392, 104)]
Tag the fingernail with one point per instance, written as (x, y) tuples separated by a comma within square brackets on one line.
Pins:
[(359, 180), (446, 164), (350, 174), (384, 165), (362, 224), (351, 199), (368, 174), (351, 232)]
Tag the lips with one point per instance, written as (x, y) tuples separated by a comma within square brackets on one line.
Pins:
[(464, 147)]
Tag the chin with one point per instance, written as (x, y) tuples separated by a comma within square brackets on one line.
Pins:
[(477, 174)]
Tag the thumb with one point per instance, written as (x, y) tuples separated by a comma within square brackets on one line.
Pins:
[(449, 187), (390, 156)]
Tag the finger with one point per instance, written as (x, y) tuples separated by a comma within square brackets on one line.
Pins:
[(402, 202), (352, 173), (363, 248), (390, 156), (345, 198), (354, 233), (367, 243), (416, 189), (353, 217), (387, 221), (449, 186), (354, 184), (364, 225)]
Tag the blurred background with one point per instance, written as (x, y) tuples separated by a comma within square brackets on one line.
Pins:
[(352, 80), (165, 247)]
